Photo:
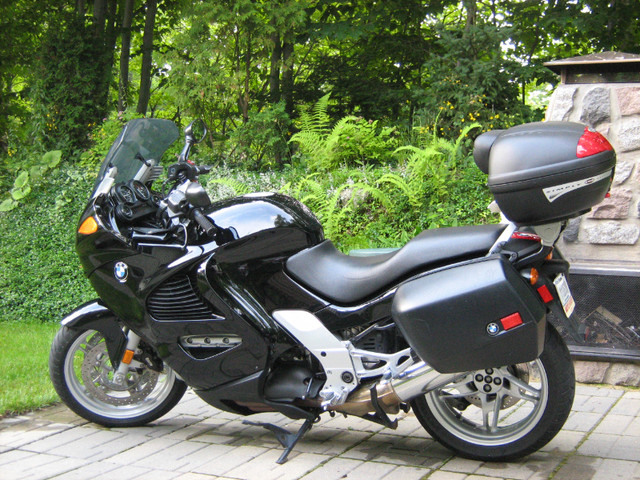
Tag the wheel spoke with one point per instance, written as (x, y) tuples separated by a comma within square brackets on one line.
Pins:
[(522, 390), (487, 409)]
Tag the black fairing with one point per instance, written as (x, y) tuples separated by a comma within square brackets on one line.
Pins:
[(220, 290)]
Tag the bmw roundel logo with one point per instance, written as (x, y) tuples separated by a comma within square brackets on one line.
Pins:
[(493, 329), (121, 272)]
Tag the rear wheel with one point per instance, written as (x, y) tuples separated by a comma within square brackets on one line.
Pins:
[(500, 414), (83, 377)]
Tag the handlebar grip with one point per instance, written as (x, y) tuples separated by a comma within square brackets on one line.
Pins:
[(204, 169), (207, 225)]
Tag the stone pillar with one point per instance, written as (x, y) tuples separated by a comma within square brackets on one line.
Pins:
[(609, 235)]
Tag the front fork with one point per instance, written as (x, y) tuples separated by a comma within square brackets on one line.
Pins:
[(133, 340)]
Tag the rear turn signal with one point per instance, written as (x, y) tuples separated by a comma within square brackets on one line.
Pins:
[(89, 226)]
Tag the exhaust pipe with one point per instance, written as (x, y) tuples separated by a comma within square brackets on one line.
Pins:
[(413, 382)]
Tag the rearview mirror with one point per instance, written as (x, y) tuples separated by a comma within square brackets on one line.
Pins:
[(196, 131)]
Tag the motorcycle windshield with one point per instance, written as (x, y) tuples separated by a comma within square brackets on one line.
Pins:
[(149, 137)]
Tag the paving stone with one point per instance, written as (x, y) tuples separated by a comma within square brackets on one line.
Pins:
[(135, 454), (371, 471), (409, 473), (612, 446), (334, 469), (593, 404), (461, 465), (627, 406), (97, 446), (589, 390), (39, 466), (395, 450), (537, 466), (177, 457), (23, 434), (481, 477), (90, 470), (232, 458), (195, 476), (264, 466), (330, 441), (563, 443), (582, 422), (581, 468), (440, 475), (601, 440), (137, 473)]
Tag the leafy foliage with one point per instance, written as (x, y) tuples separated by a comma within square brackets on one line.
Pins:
[(40, 275), (261, 142), (26, 178), (351, 141), (70, 90)]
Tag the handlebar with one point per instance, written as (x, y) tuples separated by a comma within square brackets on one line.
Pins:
[(207, 225)]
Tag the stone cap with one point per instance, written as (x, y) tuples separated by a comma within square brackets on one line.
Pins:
[(605, 67)]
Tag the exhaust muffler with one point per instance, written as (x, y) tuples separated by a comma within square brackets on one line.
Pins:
[(416, 380)]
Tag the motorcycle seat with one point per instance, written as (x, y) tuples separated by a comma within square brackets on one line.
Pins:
[(346, 280)]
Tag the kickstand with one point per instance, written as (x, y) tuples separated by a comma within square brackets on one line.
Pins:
[(286, 438)]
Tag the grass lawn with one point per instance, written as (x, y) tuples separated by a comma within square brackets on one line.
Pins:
[(24, 366)]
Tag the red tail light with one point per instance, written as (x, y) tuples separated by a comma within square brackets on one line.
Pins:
[(545, 294), (591, 143), (511, 321)]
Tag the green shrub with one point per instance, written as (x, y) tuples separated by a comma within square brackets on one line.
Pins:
[(40, 274), (261, 143)]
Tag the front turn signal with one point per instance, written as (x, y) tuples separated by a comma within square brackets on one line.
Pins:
[(89, 226)]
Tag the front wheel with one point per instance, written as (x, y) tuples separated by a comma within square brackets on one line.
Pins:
[(82, 375), (499, 414)]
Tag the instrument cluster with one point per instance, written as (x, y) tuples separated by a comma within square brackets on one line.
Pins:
[(133, 200)]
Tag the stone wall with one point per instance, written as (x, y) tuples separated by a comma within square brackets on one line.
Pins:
[(609, 235)]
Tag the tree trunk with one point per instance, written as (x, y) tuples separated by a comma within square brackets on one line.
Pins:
[(125, 52), (110, 39), (287, 77), (472, 13), (244, 98), (147, 54), (99, 17), (80, 7), (274, 72)]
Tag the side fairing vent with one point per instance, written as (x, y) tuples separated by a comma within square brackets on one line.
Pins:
[(176, 299)]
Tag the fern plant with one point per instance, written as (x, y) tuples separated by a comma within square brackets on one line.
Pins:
[(335, 209), (429, 169), (351, 141)]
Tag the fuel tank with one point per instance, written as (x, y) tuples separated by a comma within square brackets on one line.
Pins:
[(250, 217)]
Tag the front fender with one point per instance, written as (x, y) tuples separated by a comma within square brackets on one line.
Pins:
[(95, 316)]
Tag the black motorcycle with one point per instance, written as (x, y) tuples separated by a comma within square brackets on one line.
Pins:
[(247, 303)]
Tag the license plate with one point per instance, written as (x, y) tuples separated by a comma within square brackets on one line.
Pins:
[(564, 294)]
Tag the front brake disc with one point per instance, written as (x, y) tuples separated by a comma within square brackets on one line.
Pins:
[(98, 375)]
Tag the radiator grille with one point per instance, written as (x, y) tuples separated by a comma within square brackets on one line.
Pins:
[(176, 299)]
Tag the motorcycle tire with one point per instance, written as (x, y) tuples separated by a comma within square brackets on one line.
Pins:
[(503, 413), (82, 375)]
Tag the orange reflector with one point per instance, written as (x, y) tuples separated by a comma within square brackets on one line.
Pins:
[(511, 321), (89, 226), (127, 357), (533, 278), (545, 294)]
